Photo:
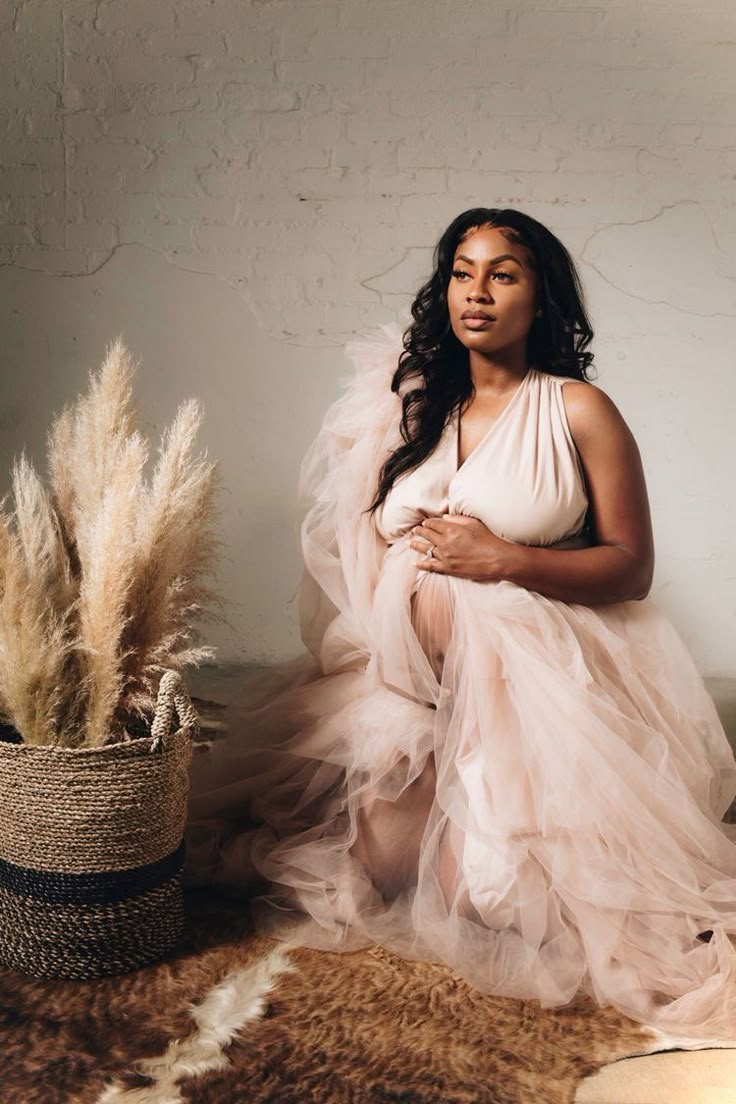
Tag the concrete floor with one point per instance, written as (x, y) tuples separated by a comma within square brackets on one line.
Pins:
[(674, 1077)]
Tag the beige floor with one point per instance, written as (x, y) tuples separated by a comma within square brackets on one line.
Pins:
[(675, 1077)]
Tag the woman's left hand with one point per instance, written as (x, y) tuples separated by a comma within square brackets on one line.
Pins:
[(461, 546)]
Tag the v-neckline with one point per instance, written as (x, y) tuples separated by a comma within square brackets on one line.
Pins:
[(456, 454)]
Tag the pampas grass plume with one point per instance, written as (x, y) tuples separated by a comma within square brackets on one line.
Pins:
[(103, 577)]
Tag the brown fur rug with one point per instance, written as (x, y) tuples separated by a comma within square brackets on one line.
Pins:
[(236, 1019)]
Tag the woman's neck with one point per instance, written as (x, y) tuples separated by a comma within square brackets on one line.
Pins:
[(496, 377)]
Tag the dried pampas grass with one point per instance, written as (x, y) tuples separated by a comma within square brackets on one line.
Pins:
[(38, 691), (103, 581)]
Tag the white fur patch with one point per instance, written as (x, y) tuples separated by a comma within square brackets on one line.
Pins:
[(225, 1010)]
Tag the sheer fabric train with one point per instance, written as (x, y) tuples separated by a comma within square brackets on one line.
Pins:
[(472, 773)]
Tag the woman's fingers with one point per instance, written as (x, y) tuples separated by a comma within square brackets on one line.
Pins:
[(421, 543), (434, 524)]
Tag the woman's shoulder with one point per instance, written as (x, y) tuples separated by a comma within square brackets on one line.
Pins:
[(589, 409)]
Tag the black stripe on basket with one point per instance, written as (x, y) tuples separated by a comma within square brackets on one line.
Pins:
[(90, 888)]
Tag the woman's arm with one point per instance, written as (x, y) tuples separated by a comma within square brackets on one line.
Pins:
[(620, 564)]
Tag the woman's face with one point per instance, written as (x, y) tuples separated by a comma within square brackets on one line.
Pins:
[(493, 275)]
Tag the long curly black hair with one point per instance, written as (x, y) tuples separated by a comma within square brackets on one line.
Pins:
[(439, 364)]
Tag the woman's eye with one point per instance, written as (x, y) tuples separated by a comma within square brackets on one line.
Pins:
[(459, 272)]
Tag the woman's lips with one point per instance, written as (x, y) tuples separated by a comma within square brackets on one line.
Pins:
[(477, 323)]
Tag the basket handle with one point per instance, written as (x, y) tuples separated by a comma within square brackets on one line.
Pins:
[(173, 698)]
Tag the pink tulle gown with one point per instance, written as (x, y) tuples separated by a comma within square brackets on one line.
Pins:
[(528, 790)]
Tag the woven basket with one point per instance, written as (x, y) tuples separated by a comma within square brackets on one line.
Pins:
[(91, 848)]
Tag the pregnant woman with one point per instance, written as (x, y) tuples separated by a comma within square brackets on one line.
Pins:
[(499, 754)]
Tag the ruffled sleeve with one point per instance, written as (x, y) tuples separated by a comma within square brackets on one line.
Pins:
[(342, 548)]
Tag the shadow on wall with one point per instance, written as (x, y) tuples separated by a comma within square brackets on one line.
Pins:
[(191, 335), (723, 691)]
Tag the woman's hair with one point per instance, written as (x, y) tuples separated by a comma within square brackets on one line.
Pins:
[(439, 363)]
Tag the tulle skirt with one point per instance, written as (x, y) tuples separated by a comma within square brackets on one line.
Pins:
[(527, 790)]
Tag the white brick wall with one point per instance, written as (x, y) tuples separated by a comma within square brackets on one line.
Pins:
[(301, 157)]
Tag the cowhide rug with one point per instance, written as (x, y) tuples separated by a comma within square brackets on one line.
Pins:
[(233, 1018)]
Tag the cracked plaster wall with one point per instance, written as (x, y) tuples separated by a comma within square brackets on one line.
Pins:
[(237, 187)]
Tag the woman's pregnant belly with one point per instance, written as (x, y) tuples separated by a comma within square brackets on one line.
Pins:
[(432, 617)]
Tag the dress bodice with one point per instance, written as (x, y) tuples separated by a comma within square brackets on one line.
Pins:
[(524, 479)]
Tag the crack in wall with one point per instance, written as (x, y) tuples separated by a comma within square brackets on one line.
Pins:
[(238, 285), (234, 284), (605, 227)]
